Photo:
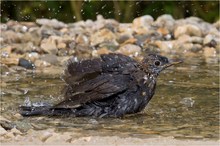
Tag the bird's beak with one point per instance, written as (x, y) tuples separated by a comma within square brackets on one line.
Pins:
[(172, 62)]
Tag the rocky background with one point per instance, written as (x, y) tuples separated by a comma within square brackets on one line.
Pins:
[(50, 43), (44, 46)]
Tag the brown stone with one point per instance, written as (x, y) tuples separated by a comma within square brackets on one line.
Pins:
[(129, 49), (101, 36)]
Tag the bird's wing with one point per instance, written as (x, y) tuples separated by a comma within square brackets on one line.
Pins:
[(76, 72), (101, 87), (85, 70), (84, 66), (118, 63)]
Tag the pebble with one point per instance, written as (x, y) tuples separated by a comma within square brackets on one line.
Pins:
[(15, 131), (82, 39), (63, 60), (32, 56), (190, 39), (217, 25), (25, 63), (210, 41), (2, 131), (51, 22), (166, 22), (85, 39), (129, 49), (98, 52), (16, 68), (130, 41), (17, 116), (209, 52), (45, 135), (123, 37), (165, 46), (6, 51), (104, 35), (187, 101), (41, 63), (10, 36), (162, 30), (50, 58), (188, 29), (9, 61), (49, 45), (3, 69), (143, 21), (64, 137)]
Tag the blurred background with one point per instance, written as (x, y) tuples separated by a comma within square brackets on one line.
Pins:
[(123, 11)]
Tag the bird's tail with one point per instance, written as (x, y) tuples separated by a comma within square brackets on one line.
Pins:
[(45, 111)]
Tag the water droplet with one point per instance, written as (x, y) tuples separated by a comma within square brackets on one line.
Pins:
[(26, 91), (5, 54), (2, 93), (187, 101), (103, 6), (24, 28), (27, 101)]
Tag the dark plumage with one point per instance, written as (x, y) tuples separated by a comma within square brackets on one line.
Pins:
[(110, 86)]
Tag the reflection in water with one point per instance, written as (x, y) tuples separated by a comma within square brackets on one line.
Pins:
[(185, 105)]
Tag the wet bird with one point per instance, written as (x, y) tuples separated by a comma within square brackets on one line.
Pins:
[(112, 85)]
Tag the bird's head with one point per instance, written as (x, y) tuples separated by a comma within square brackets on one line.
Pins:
[(154, 64)]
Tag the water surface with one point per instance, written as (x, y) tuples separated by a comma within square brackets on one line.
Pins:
[(185, 106)]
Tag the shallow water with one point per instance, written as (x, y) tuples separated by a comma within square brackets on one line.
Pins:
[(186, 105)]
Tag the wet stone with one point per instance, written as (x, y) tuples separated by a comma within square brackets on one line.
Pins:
[(10, 61), (2, 131), (32, 56), (210, 40), (41, 63), (45, 135), (209, 52), (7, 125), (4, 68), (50, 58), (26, 64), (187, 101)]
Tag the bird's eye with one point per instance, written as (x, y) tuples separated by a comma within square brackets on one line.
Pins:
[(157, 63)]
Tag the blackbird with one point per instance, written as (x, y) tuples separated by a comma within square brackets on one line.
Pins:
[(109, 86)]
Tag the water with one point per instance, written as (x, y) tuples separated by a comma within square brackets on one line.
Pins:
[(185, 106)]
